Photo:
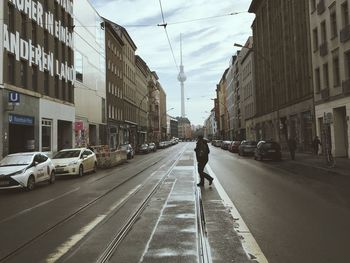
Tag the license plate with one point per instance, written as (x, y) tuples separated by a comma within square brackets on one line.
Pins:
[(2, 183), (271, 151)]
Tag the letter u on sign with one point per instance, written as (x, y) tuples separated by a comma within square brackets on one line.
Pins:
[(14, 97)]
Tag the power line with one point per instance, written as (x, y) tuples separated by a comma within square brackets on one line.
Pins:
[(164, 25)]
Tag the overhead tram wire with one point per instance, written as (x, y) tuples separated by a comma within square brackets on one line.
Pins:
[(164, 25)]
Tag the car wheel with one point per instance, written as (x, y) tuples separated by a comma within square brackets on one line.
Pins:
[(81, 170), (31, 183), (95, 168), (52, 178)]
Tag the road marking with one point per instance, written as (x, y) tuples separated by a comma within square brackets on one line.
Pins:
[(38, 205), (72, 241), (249, 243)]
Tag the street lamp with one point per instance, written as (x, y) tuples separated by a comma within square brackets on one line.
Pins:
[(273, 100), (228, 116)]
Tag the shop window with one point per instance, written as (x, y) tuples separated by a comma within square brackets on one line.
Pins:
[(46, 135)]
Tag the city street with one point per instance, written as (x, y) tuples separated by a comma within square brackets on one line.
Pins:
[(145, 210)]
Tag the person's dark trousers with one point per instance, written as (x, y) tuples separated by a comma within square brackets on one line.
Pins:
[(292, 155), (203, 174)]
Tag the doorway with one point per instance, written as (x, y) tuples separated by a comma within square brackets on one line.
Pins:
[(21, 138)]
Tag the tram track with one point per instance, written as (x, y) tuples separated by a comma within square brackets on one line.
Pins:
[(83, 208)]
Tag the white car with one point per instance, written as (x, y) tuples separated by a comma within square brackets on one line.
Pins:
[(75, 161), (26, 170)]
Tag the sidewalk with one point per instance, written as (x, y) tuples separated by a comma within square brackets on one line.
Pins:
[(342, 166)]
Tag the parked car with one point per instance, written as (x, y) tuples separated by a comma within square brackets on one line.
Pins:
[(225, 144), (26, 170), (76, 161), (143, 148), (162, 145), (129, 150), (247, 148), (268, 150), (152, 147), (234, 146), (216, 143)]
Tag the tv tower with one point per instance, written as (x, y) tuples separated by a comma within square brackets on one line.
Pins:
[(182, 78)]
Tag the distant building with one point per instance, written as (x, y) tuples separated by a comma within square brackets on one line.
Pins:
[(184, 128), (172, 127)]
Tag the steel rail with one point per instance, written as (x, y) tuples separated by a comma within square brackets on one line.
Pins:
[(119, 237), (75, 213)]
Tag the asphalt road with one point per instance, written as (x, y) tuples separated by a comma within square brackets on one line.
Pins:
[(55, 222), (295, 214)]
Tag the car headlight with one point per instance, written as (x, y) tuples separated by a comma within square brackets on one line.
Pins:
[(19, 172), (73, 163)]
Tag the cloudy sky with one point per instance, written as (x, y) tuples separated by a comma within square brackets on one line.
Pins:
[(207, 43)]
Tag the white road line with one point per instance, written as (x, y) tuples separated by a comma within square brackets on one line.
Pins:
[(249, 243), (38, 205), (72, 241)]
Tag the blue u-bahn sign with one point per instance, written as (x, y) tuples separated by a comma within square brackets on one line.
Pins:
[(14, 97), (21, 119)]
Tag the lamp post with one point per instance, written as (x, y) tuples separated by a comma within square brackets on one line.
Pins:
[(273, 100), (228, 117)]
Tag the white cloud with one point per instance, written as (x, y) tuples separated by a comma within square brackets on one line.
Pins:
[(207, 43)]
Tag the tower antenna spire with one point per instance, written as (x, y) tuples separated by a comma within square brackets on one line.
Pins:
[(182, 78)]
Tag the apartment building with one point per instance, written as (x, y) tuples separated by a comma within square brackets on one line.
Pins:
[(36, 76), (282, 67), (116, 132), (142, 98), (248, 89), (222, 111), (330, 37), (230, 96)]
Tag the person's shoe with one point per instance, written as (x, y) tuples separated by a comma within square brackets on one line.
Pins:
[(200, 185), (211, 181)]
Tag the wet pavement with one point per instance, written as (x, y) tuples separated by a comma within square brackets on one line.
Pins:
[(169, 225)]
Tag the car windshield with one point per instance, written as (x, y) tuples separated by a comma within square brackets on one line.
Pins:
[(67, 154), (272, 145), (250, 143), (16, 160)]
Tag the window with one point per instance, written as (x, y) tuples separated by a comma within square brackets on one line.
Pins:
[(34, 78), (24, 26), (336, 72), (57, 88), (79, 66), (345, 13), (11, 18), (64, 90), (11, 68), (34, 34), (46, 83), (323, 32), (347, 64), (313, 5), (46, 41), (334, 27), (23, 73), (46, 135), (317, 80), (325, 76)]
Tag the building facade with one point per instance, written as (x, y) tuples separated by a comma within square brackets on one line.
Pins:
[(114, 86), (282, 66), (154, 109), (37, 76), (223, 113), (248, 89), (230, 96), (163, 113), (90, 86), (330, 37)]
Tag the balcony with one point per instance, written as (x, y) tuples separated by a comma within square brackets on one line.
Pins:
[(346, 87), (321, 7), (325, 94), (323, 49), (345, 34)]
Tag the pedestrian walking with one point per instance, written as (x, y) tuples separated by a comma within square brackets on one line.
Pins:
[(202, 153), (316, 142), (292, 145)]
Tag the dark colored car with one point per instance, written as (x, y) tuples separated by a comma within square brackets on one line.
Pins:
[(247, 148), (152, 147), (129, 150), (268, 150), (234, 146), (143, 148), (225, 144)]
